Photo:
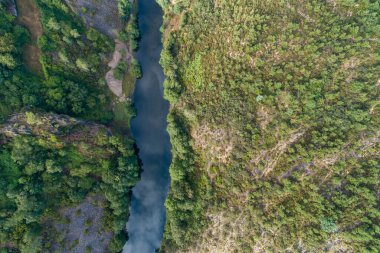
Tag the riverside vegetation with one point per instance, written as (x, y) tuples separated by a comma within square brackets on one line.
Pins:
[(59, 146), (274, 125)]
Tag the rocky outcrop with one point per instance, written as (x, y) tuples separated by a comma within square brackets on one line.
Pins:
[(10, 6), (45, 124), (101, 15)]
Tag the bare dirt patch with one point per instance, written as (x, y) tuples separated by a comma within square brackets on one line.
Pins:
[(222, 234), (121, 54), (172, 25), (216, 143), (264, 116), (29, 17)]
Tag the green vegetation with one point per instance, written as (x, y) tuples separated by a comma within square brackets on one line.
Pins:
[(125, 8), (79, 67), (18, 88), (50, 161), (123, 111), (274, 126), (131, 33), (119, 70)]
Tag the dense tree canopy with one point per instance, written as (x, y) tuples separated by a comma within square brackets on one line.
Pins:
[(18, 88), (50, 161), (274, 125)]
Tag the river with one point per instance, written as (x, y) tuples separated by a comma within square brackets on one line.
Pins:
[(146, 222)]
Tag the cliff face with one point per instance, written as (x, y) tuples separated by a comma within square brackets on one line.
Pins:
[(10, 6), (60, 172), (46, 124), (101, 15), (64, 180)]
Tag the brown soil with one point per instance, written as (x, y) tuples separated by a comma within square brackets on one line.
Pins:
[(172, 25), (216, 144), (222, 234), (29, 16), (121, 53)]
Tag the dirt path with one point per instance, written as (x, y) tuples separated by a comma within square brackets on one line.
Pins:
[(29, 17), (121, 53)]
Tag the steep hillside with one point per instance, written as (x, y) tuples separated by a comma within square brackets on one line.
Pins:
[(18, 87), (274, 125), (64, 180), (51, 162)]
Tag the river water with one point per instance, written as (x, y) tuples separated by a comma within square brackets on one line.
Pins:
[(146, 222)]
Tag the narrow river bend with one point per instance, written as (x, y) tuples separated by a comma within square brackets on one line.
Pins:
[(146, 222)]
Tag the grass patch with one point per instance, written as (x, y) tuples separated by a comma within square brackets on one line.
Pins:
[(129, 84), (123, 112)]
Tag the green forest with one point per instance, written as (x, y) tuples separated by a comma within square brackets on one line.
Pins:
[(60, 140), (17, 88), (274, 124)]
